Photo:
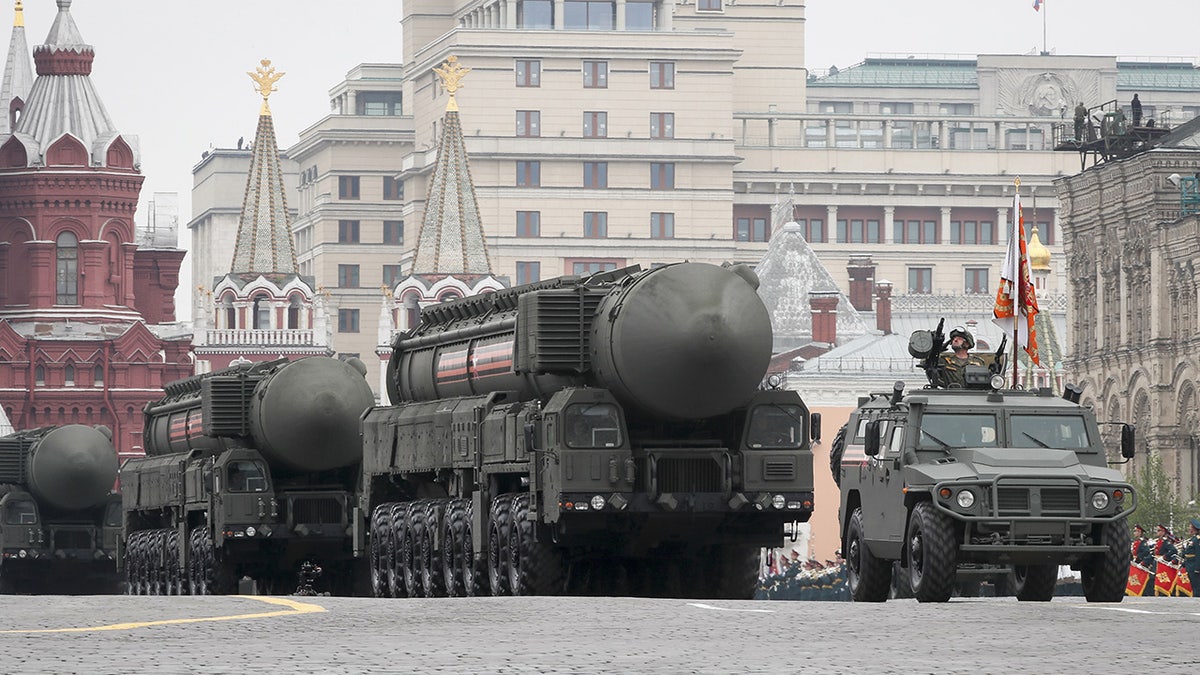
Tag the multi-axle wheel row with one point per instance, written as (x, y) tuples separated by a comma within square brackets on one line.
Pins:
[(153, 564), (425, 549)]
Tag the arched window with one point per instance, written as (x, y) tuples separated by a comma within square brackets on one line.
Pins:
[(293, 313), (98, 377), (39, 375), (69, 375), (67, 256), (262, 313)]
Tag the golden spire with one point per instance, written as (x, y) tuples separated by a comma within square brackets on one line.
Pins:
[(451, 75), (1039, 255), (265, 78), (19, 19)]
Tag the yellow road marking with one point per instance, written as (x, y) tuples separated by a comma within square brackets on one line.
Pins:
[(293, 608)]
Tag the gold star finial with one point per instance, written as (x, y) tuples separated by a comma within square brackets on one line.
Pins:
[(451, 75), (265, 77)]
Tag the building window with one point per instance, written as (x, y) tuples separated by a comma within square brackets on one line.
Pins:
[(1045, 233), (348, 276), (662, 75), (39, 375), (662, 225), (536, 14), (293, 313), (69, 375), (379, 103), (751, 229), (595, 174), (589, 14), (914, 231), (920, 280), (976, 281), (595, 224), (662, 125), (662, 176), (348, 187), (393, 232), (586, 267), (348, 232), (529, 73), (528, 272), (529, 123), (595, 125), (347, 320), (857, 231), (261, 313), (813, 230), (595, 74), (391, 275), (393, 188), (956, 109), (972, 232), (67, 269), (708, 5), (529, 223), (98, 376), (529, 174), (639, 16)]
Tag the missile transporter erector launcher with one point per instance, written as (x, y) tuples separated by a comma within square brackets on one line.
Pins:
[(605, 434), (249, 472), (60, 519)]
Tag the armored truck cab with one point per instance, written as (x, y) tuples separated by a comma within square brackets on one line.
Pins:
[(948, 478)]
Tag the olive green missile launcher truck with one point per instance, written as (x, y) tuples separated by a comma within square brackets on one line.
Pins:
[(60, 519), (978, 478), (249, 473), (605, 434)]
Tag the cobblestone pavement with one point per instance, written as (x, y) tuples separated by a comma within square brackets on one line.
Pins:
[(123, 634)]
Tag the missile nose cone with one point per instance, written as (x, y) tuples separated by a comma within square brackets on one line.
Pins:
[(73, 467)]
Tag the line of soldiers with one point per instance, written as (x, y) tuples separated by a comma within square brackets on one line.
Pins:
[(1164, 563), (790, 578)]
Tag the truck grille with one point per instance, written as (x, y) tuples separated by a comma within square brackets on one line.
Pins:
[(779, 469), (688, 475), (67, 539), (1054, 501), (317, 510)]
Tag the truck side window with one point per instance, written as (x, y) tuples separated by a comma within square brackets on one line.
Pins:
[(897, 443), (592, 425), (20, 512)]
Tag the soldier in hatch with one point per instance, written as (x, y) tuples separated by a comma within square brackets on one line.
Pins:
[(955, 362)]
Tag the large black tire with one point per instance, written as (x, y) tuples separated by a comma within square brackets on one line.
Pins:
[(380, 558), (869, 578), (535, 566), (453, 526), (399, 550), (901, 584), (1105, 576), (407, 547), (932, 552), (433, 583), (836, 450), (733, 571), (222, 574), (174, 578), (197, 583), (158, 568), (498, 543), (1035, 583)]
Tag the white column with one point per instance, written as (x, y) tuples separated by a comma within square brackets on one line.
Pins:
[(666, 10), (558, 15), (620, 14), (1002, 224), (889, 219), (945, 224), (831, 223)]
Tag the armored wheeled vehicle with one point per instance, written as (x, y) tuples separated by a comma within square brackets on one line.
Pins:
[(249, 473), (977, 478), (606, 434), (60, 516)]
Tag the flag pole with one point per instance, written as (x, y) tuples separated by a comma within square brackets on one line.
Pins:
[(1019, 295), (1045, 47)]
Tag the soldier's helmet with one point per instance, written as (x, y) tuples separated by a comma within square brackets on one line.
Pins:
[(959, 331)]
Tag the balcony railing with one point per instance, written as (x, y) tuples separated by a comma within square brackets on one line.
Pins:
[(900, 132), (275, 337)]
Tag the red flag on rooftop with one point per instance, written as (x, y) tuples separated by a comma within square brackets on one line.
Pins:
[(1016, 303)]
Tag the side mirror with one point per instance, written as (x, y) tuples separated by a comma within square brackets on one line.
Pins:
[(872, 440), (1127, 440), (815, 427)]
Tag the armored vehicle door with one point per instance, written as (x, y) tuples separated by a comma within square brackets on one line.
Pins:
[(884, 514)]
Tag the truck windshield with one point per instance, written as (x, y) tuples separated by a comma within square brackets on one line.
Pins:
[(20, 512), (776, 426), (1063, 432), (246, 476), (956, 430), (593, 425)]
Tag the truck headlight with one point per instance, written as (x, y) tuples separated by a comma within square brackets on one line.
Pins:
[(1100, 501), (250, 531), (598, 502), (778, 501), (965, 499)]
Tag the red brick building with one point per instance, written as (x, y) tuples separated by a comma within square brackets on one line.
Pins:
[(87, 332)]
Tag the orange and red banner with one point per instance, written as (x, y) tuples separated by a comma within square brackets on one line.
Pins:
[(1164, 578), (1139, 577), (1183, 584), (1016, 302)]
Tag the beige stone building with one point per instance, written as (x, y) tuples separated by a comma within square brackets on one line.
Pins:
[(1134, 233)]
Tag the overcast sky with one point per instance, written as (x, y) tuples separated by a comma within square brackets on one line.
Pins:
[(173, 72)]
